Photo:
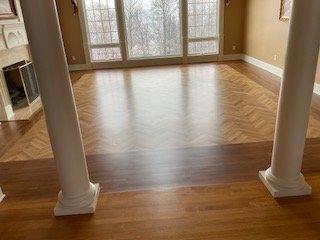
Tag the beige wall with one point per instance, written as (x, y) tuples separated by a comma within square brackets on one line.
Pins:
[(234, 27), (71, 32), (265, 36)]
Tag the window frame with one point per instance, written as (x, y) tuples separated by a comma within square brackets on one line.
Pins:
[(154, 57), (205, 39), (91, 46), (125, 62)]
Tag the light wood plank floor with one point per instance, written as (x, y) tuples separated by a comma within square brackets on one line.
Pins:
[(164, 107)]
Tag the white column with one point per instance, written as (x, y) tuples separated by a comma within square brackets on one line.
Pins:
[(77, 195), (1, 195), (284, 177)]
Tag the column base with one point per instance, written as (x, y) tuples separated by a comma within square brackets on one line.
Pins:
[(61, 210), (1, 195), (278, 191)]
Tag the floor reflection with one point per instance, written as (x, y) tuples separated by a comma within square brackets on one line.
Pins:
[(164, 107)]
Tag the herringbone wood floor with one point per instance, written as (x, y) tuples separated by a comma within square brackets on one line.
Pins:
[(163, 107)]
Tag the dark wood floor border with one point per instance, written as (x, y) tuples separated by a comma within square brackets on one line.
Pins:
[(153, 169)]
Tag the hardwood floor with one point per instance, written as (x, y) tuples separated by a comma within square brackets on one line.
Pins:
[(164, 107), (184, 213), (193, 193), (11, 132), (270, 82), (150, 169), (177, 152)]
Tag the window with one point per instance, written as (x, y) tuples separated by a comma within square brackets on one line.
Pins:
[(152, 28), (102, 30), (202, 27), (124, 31)]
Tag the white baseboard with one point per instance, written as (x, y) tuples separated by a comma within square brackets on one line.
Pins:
[(272, 69), (266, 66), (79, 67), (232, 57)]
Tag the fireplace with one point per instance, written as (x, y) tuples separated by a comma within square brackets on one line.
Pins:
[(21, 83)]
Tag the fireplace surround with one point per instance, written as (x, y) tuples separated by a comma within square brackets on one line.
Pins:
[(14, 49), (19, 98)]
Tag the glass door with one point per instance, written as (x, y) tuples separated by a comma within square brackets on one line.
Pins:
[(153, 28), (129, 32)]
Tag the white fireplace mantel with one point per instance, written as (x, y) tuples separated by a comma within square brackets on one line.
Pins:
[(13, 48), (13, 35), (13, 39)]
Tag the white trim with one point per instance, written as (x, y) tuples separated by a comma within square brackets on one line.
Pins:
[(62, 209), (278, 191), (221, 23), (14, 35), (9, 111), (1, 195), (270, 68), (18, 19), (266, 66), (232, 57), (316, 88), (79, 67)]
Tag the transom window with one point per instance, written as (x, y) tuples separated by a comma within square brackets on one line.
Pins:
[(120, 30)]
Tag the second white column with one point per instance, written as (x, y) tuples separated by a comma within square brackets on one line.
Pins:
[(284, 178)]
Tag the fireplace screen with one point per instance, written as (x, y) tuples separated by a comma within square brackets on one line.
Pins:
[(22, 83)]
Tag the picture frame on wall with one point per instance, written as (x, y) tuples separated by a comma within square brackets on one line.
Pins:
[(285, 10), (7, 9)]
